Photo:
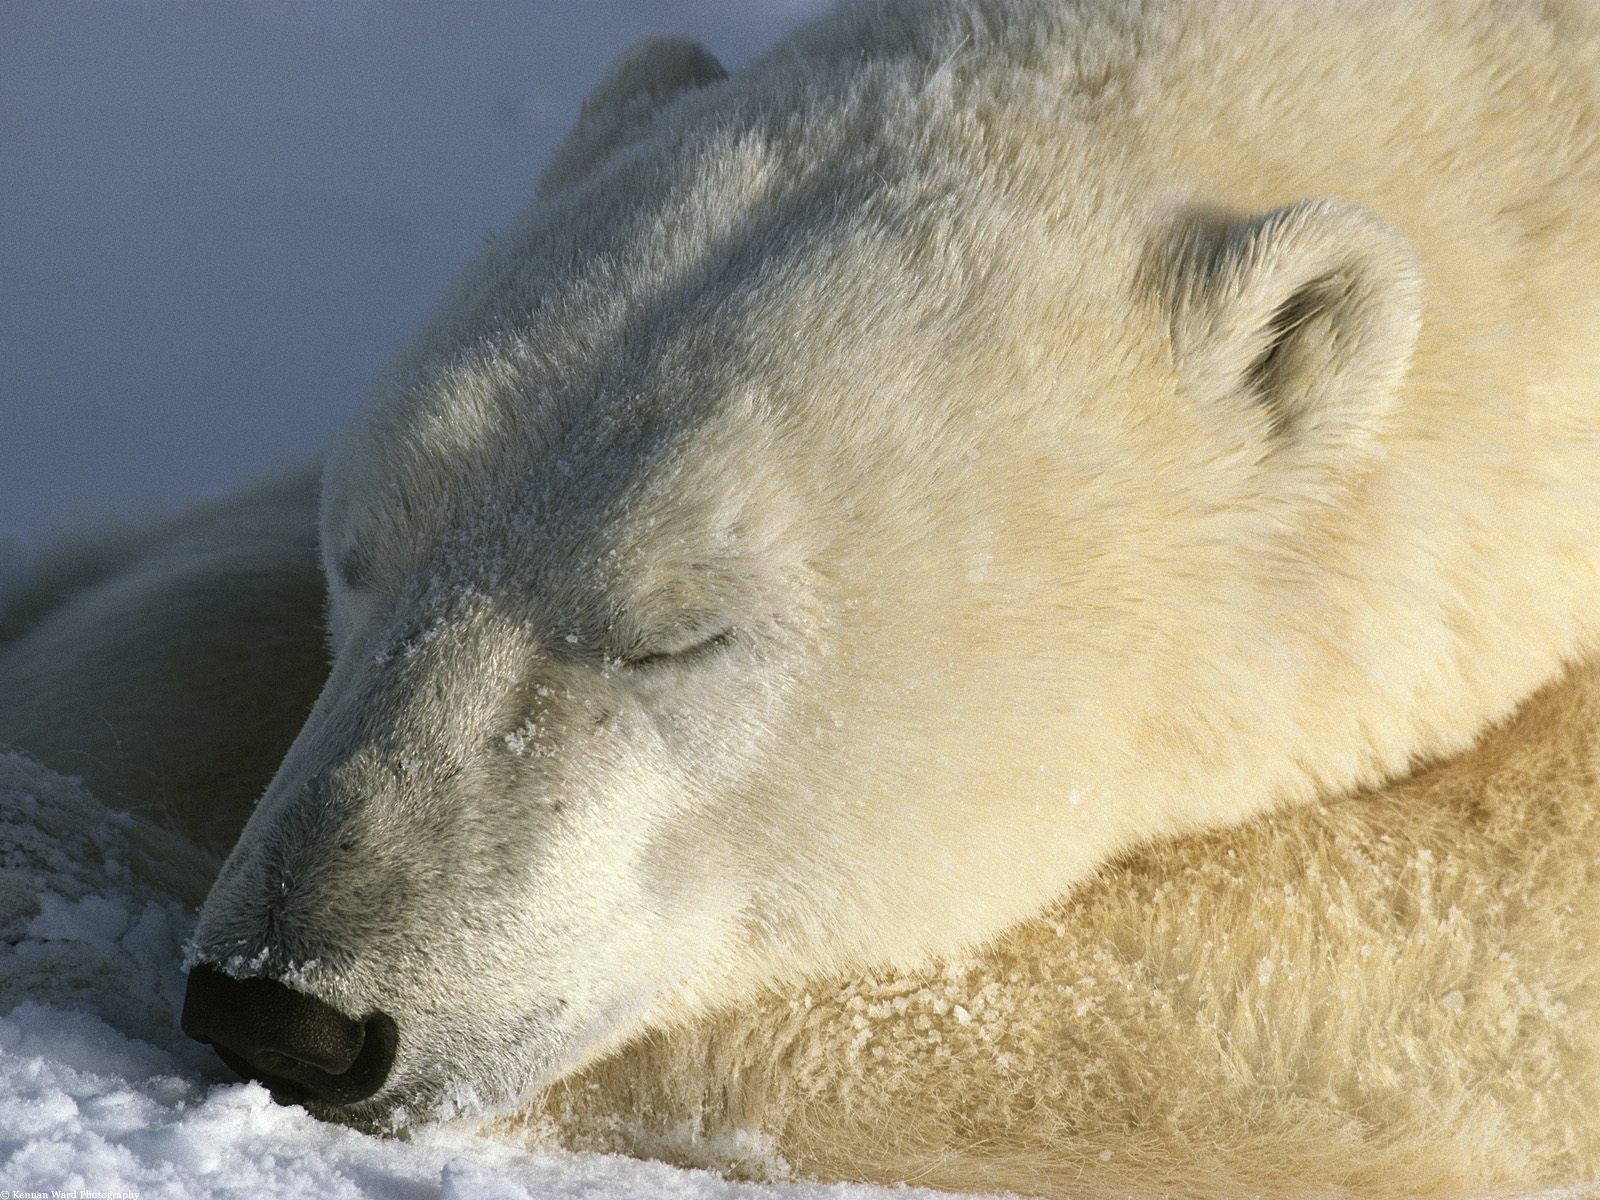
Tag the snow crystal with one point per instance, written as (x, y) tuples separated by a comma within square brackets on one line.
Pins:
[(531, 739)]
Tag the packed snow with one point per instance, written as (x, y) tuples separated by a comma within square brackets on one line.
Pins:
[(101, 1093)]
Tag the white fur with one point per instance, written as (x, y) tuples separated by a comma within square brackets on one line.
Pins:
[(1084, 423), (1394, 994)]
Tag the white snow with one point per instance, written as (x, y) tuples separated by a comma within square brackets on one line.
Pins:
[(100, 1091)]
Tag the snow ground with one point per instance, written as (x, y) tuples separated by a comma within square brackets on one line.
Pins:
[(99, 1091)]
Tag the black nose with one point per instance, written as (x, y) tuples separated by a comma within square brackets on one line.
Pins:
[(302, 1049)]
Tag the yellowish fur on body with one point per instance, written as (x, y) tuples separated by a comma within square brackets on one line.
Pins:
[(1396, 994)]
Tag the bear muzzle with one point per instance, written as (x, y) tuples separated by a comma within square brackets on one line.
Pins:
[(303, 1050)]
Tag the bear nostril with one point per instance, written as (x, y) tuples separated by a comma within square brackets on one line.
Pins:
[(299, 1046)]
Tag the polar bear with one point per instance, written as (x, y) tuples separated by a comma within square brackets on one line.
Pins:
[(866, 494)]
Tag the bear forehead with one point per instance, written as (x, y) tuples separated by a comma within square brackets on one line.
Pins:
[(610, 516), (777, 298), (852, 339), (741, 254)]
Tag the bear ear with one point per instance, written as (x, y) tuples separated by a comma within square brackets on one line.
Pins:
[(1301, 323), (637, 83)]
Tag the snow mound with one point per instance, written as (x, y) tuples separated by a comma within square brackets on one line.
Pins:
[(100, 1091)]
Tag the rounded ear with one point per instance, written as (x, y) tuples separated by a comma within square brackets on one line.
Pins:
[(1301, 323), (617, 108)]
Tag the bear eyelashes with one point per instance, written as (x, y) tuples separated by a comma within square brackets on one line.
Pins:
[(647, 660)]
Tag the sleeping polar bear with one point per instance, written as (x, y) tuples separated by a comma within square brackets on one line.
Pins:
[(861, 498)]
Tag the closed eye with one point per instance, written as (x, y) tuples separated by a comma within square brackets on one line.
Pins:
[(646, 659)]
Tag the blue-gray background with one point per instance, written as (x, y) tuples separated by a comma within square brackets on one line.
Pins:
[(218, 219)]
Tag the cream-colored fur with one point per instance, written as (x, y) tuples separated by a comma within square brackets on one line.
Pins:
[(169, 662), (1394, 994), (866, 494)]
